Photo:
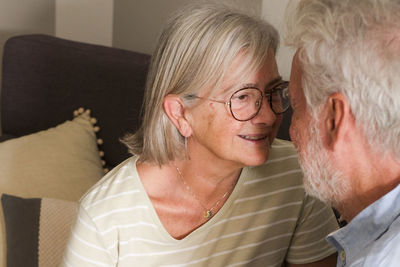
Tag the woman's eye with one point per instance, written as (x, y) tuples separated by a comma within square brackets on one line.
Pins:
[(246, 95), (242, 97)]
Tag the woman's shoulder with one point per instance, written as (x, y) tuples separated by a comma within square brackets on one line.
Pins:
[(119, 180)]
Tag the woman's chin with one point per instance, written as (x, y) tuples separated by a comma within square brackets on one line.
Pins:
[(257, 159)]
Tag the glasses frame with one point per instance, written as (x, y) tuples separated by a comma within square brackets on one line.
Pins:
[(280, 87), (283, 85)]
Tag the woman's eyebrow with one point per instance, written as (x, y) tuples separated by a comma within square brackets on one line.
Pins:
[(277, 80), (239, 86), (247, 85), (253, 85)]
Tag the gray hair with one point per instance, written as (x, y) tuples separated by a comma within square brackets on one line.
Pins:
[(352, 47), (194, 52)]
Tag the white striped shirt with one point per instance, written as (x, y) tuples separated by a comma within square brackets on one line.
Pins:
[(266, 220)]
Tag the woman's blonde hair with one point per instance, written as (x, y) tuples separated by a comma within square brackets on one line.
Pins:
[(194, 52)]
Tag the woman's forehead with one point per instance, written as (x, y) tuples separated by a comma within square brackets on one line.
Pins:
[(244, 73)]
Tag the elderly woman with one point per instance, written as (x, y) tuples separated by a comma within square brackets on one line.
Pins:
[(199, 189)]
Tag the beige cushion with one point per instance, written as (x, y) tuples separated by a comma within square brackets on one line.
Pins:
[(56, 219), (39, 229), (61, 162)]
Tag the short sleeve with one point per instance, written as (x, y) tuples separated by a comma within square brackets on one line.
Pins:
[(308, 244), (86, 246)]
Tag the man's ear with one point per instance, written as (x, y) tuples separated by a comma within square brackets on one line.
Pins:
[(175, 110), (337, 116)]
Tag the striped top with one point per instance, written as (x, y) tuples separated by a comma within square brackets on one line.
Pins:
[(268, 219)]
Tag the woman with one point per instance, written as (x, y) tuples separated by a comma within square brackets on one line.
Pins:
[(212, 106)]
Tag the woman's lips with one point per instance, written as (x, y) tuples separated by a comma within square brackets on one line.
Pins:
[(254, 137)]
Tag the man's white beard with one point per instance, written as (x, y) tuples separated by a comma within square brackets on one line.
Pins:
[(321, 180)]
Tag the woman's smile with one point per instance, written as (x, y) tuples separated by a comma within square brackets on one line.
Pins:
[(254, 137)]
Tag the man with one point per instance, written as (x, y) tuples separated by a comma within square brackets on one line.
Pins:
[(345, 93)]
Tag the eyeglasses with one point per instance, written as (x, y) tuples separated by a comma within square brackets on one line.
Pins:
[(245, 103)]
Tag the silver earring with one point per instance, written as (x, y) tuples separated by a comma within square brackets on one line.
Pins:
[(186, 148)]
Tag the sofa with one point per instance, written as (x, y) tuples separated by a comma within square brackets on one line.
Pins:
[(64, 107)]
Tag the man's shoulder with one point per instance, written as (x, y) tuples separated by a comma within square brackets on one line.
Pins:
[(385, 251), (391, 238)]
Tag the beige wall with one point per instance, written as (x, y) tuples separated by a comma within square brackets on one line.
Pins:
[(129, 24), (25, 16), (89, 21), (137, 23), (273, 11)]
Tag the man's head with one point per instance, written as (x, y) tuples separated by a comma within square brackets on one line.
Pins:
[(348, 54), (321, 179)]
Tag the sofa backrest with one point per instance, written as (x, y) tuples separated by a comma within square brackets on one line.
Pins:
[(46, 78)]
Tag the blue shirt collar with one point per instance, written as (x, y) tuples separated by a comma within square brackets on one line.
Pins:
[(367, 226)]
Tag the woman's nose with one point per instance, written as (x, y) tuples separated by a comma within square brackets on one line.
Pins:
[(265, 115)]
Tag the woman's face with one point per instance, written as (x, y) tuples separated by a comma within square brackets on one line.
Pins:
[(217, 136)]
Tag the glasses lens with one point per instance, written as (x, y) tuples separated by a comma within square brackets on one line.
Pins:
[(245, 103), (279, 98)]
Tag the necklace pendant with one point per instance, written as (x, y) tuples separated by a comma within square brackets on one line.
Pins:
[(208, 214)]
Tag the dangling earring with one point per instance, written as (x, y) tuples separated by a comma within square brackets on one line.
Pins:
[(186, 148)]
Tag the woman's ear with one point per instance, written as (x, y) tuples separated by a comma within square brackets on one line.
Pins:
[(175, 110)]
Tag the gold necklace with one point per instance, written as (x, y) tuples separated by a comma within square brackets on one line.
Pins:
[(208, 212)]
